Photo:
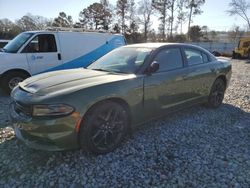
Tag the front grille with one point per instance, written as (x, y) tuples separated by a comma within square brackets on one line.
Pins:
[(23, 108)]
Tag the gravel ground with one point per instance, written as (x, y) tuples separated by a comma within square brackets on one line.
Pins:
[(197, 147)]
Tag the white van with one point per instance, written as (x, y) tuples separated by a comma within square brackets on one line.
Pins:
[(35, 52), (3, 43)]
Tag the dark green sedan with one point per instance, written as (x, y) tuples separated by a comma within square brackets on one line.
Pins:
[(95, 107)]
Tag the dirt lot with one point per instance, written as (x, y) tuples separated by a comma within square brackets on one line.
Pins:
[(197, 147)]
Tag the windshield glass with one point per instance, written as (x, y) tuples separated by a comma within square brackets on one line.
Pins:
[(14, 45), (123, 60)]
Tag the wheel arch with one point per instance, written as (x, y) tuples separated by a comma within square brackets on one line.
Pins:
[(118, 100), (15, 70), (223, 77)]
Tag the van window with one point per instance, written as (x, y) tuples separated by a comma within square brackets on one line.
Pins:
[(41, 43), (14, 45), (169, 59), (193, 56)]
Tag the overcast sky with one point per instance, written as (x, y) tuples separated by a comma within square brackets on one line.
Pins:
[(214, 11)]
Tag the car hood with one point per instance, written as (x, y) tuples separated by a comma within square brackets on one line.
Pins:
[(69, 80)]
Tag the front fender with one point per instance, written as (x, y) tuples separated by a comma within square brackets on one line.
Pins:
[(11, 61), (129, 91)]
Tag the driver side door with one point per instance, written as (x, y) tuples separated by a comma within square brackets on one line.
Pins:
[(42, 53), (166, 88)]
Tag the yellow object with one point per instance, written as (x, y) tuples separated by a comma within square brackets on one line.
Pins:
[(243, 49)]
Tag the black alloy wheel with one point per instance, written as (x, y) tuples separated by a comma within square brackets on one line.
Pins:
[(104, 128), (217, 92)]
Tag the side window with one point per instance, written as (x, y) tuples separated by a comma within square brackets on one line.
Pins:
[(246, 44), (169, 59), (193, 56), (41, 43), (205, 58)]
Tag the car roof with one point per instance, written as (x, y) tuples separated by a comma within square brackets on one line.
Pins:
[(89, 32), (155, 45), (158, 45)]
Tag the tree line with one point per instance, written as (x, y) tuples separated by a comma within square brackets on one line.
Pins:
[(133, 19)]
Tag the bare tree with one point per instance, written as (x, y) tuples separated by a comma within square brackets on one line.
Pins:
[(161, 6), (181, 14), (26, 23), (204, 30), (40, 21), (132, 17), (108, 14), (235, 33), (105, 3), (8, 29), (194, 7), (214, 35), (132, 11), (95, 16), (63, 20), (240, 8), (145, 10), (122, 7), (172, 6)]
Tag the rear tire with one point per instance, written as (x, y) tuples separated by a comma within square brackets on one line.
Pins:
[(104, 127), (216, 95), (11, 79)]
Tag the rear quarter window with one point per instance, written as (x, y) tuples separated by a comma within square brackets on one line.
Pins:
[(193, 56), (196, 56)]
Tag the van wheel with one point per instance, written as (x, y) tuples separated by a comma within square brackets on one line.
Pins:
[(11, 79), (104, 127), (216, 95)]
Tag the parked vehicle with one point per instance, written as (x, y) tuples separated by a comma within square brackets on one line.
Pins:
[(243, 49), (217, 48), (3, 43), (95, 107), (35, 52)]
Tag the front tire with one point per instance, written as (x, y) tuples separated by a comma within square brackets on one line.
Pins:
[(11, 79), (104, 127), (216, 95)]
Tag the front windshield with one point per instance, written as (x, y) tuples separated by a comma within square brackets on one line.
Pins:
[(122, 60), (14, 45)]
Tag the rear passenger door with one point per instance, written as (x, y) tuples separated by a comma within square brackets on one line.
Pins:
[(200, 72), (166, 87), (42, 53)]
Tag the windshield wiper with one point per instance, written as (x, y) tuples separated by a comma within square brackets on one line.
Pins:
[(111, 71), (101, 70), (116, 71)]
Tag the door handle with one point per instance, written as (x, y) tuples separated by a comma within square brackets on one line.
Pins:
[(59, 56)]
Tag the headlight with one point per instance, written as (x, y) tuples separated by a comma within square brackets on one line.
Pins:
[(52, 110)]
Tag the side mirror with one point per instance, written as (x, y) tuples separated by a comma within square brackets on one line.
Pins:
[(154, 66)]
